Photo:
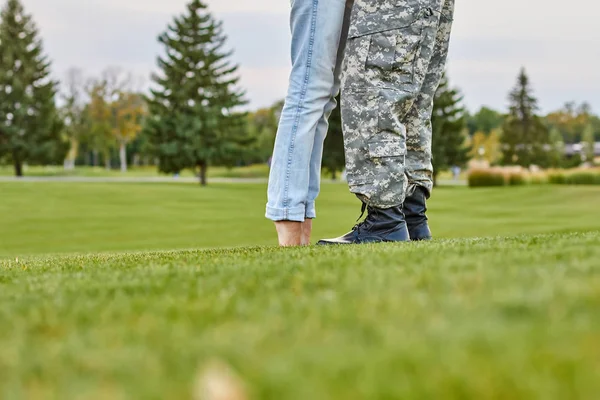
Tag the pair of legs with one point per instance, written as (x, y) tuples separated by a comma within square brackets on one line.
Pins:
[(319, 30), (394, 61), (395, 58)]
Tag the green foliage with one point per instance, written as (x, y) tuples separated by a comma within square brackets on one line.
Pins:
[(572, 120), (486, 178), (557, 177), (262, 125), (485, 120), (449, 123), (486, 147), (194, 110), (30, 126), (516, 179), (557, 152), (524, 134), (584, 178), (539, 179), (575, 177), (498, 318), (500, 177), (574, 161), (588, 142), (334, 158)]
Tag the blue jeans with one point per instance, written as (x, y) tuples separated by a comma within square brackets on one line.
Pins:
[(319, 31)]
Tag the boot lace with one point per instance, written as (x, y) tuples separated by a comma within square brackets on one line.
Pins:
[(362, 214)]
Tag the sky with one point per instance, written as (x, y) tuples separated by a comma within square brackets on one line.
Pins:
[(557, 41)]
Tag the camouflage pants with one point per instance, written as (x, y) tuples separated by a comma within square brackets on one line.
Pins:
[(395, 58)]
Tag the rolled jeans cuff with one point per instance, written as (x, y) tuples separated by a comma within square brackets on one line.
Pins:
[(311, 211), (297, 214)]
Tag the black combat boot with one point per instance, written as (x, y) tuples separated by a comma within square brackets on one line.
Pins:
[(414, 209), (381, 225)]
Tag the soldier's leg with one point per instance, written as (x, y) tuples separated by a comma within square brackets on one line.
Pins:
[(316, 160), (419, 169), (390, 45)]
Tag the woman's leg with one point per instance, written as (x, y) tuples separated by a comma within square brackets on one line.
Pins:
[(316, 29), (316, 160)]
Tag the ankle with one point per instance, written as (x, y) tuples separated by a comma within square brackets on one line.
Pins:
[(289, 233), (306, 232)]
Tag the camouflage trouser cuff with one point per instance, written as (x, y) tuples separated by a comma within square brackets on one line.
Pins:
[(377, 202), (427, 186)]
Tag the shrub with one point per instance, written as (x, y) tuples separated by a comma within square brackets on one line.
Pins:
[(591, 177), (486, 178), (557, 177), (575, 177), (516, 179), (538, 179)]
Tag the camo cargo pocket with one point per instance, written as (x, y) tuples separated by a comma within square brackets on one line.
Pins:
[(394, 43)]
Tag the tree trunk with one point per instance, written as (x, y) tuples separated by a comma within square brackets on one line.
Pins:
[(334, 175), (107, 160), (95, 158), (123, 156), (203, 168), (69, 163), (18, 166)]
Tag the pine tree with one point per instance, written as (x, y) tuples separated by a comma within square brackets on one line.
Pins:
[(333, 149), (30, 127), (193, 120), (449, 124), (525, 137)]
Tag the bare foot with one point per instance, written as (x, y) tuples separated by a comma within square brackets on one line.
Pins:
[(306, 231), (289, 233)]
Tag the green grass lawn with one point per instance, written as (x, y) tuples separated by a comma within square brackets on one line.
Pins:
[(503, 305), (253, 171), (513, 318), (41, 218)]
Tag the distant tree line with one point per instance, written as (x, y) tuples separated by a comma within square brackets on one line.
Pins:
[(193, 116)]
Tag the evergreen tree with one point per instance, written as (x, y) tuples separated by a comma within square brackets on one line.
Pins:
[(193, 120), (525, 137), (30, 127), (333, 149), (449, 124)]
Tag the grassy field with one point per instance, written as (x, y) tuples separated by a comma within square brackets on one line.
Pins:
[(504, 305), (254, 171), (41, 218), (512, 318)]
